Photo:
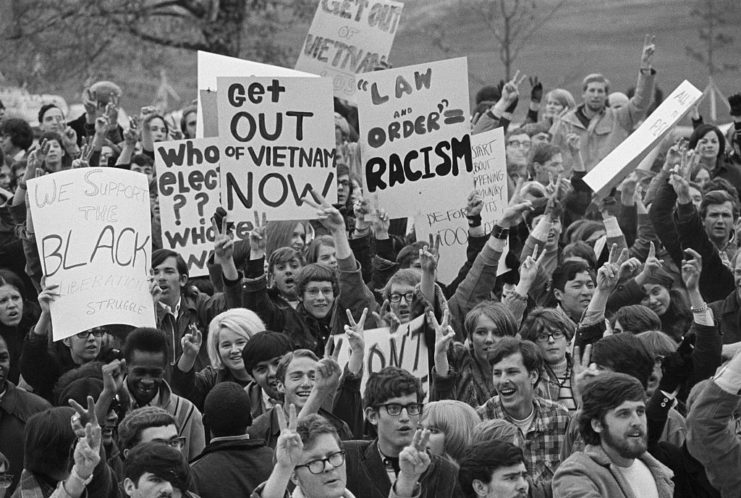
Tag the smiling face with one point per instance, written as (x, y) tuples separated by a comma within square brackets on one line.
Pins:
[(394, 432), (298, 237), (230, 349), (595, 96), (515, 385), (11, 306), (576, 294), (5, 176), (299, 381), (624, 430), (264, 374), (318, 298), (327, 484), (552, 107), (657, 298), (146, 370)]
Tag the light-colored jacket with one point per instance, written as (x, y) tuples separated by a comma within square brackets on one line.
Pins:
[(591, 474), (607, 129)]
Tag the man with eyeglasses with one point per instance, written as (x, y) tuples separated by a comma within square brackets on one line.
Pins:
[(393, 406), (310, 455), (542, 423), (517, 148), (42, 367)]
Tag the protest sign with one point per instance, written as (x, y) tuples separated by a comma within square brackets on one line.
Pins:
[(406, 348), (448, 219), (349, 38), (631, 151), (212, 66), (93, 234), (277, 138), (188, 187), (415, 129), (208, 112)]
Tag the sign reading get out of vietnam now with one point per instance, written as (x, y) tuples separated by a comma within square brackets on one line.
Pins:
[(188, 186), (406, 348), (349, 37), (448, 219), (93, 234), (277, 140), (631, 151), (415, 134)]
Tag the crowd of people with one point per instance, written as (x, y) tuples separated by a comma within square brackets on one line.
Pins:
[(602, 363)]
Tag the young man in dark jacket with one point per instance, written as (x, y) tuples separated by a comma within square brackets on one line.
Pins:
[(232, 464)]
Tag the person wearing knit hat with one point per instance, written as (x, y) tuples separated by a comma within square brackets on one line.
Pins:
[(232, 464)]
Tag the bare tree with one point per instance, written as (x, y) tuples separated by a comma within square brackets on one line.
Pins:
[(513, 23), (73, 38), (713, 16)]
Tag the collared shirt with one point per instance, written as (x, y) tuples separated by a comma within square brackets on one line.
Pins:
[(170, 311), (543, 439), (267, 401)]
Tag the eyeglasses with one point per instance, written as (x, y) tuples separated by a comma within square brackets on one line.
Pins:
[(5, 480), (394, 409), (396, 298), (315, 292), (522, 145), (176, 442), (545, 336), (320, 464), (86, 334)]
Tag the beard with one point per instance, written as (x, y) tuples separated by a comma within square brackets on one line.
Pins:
[(626, 447)]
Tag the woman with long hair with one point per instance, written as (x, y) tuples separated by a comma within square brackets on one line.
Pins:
[(17, 314)]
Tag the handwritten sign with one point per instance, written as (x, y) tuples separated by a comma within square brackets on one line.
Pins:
[(188, 186), (415, 138), (349, 38), (93, 234), (448, 219), (277, 135), (212, 66), (631, 151), (404, 349)]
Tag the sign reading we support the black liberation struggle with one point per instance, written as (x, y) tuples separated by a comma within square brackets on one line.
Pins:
[(93, 234), (414, 134), (277, 139), (349, 37), (188, 186)]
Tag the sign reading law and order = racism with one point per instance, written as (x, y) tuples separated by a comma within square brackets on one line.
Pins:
[(347, 38), (277, 138), (93, 234), (415, 133)]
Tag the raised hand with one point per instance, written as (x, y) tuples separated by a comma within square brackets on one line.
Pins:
[(111, 110), (113, 375), (609, 274), (381, 223), (444, 333), (414, 460), (89, 102), (289, 447), (536, 89), (327, 374), (354, 331), (649, 49), (361, 209), (192, 341), (529, 267), (651, 266), (155, 290), (258, 237), (474, 204), (102, 123), (223, 242), (83, 416), (387, 318), (691, 269), (47, 296), (629, 269), (329, 216), (573, 142), (583, 371), (514, 213), (429, 255)]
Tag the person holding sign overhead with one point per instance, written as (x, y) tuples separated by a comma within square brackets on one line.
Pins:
[(602, 128)]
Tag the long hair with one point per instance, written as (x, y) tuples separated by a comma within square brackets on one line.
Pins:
[(456, 420)]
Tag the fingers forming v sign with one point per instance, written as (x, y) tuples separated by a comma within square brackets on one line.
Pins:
[(354, 331), (289, 446), (444, 333)]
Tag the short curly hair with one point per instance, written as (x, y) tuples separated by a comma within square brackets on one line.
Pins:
[(604, 393)]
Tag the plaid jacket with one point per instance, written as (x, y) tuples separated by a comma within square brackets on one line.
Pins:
[(542, 443)]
